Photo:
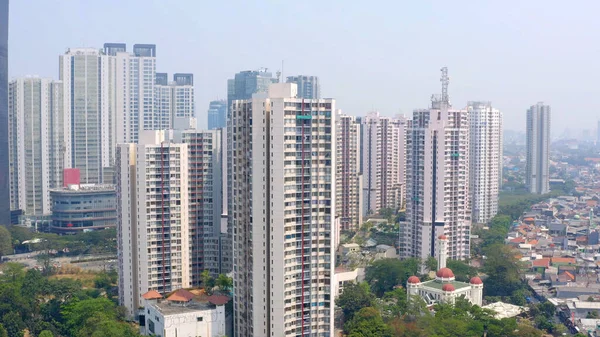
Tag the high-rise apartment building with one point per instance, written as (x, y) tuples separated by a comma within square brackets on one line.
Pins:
[(207, 235), (153, 229), (135, 89), (217, 114), (308, 86), (246, 83), (89, 119), (4, 152), (173, 101), (485, 167), (348, 175), (437, 181), (383, 156), (538, 148), (36, 141), (282, 206)]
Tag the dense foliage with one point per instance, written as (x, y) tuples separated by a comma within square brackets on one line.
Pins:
[(95, 242), (383, 275), (51, 306)]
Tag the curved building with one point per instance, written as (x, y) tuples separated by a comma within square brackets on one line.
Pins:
[(85, 207)]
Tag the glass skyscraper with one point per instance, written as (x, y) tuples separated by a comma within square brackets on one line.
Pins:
[(4, 156), (308, 86), (217, 114), (246, 83)]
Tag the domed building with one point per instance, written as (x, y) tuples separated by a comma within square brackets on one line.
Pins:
[(445, 288)]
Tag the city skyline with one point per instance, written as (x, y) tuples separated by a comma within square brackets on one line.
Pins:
[(357, 73)]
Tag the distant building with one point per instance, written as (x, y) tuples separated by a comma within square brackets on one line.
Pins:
[(36, 142), (184, 314), (5, 212), (437, 181), (83, 207), (349, 178), (246, 83), (174, 100), (444, 288), (538, 149), (485, 159), (217, 114), (383, 162), (308, 86)]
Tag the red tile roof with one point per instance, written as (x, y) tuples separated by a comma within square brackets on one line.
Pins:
[(181, 295), (541, 263), (569, 275), (218, 299), (152, 295), (569, 260)]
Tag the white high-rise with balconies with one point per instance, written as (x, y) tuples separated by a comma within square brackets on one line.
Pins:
[(383, 156), (437, 179), (485, 167), (282, 208), (349, 178), (537, 176), (36, 142), (153, 229), (173, 100)]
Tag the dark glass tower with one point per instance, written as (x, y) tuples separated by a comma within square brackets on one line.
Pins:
[(4, 159)]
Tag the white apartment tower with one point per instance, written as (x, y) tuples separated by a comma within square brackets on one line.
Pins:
[(348, 176), (383, 156), (153, 229), (538, 148), (173, 100), (437, 179), (36, 143), (88, 79), (485, 167), (282, 209)]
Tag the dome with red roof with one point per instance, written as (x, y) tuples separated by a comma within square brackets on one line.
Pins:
[(413, 280), (448, 287), (443, 237), (476, 280), (445, 273)]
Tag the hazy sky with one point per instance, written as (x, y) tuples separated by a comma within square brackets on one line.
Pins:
[(382, 55)]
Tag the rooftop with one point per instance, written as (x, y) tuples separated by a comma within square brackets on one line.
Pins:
[(438, 285), (505, 310)]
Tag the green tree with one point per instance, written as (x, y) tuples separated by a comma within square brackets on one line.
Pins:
[(395, 303), (46, 333), (78, 313), (367, 322), (431, 263), (3, 332), (224, 283), (353, 298), (208, 282), (13, 323), (383, 275), (12, 272), (462, 271), (5, 242), (503, 268)]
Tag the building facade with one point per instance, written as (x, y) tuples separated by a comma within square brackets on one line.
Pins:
[(174, 100), (205, 170), (89, 117), (538, 149), (485, 166), (80, 208), (217, 115), (383, 155), (5, 216), (308, 86), (281, 169), (437, 179), (246, 83), (348, 176), (153, 217), (36, 142)]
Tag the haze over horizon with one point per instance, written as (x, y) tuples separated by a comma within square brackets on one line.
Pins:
[(367, 57)]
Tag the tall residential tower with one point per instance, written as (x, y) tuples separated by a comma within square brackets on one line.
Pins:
[(538, 148), (348, 175), (282, 209), (308, 86), (36, 141), (437, 179), (383, 155), (485, 167), (217, 114), (4, 153)]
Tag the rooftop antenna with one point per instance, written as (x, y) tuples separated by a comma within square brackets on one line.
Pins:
[(445, 81)]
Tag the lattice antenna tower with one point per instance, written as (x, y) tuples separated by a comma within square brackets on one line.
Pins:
[(445, 81)]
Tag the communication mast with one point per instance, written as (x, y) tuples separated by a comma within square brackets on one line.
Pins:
[(445, 101)]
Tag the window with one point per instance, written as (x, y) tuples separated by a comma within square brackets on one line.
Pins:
[(150, 326), (199, 319)]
